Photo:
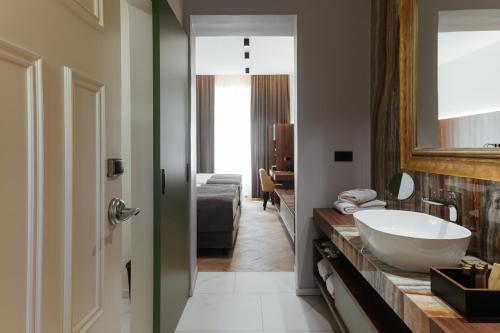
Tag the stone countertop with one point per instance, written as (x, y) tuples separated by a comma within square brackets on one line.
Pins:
[(408, 294)]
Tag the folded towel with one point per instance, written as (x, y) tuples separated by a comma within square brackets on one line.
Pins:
[(373, 203), (358, 196), (324, 269), (349, 208), (329, 286)]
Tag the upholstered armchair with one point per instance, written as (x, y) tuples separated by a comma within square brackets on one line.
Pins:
[(268, 186)]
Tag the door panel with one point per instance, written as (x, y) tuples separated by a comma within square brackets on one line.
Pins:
[(171, 139), (20, 190), (84, 247), (66, 279), (89, 10), (89, 5)]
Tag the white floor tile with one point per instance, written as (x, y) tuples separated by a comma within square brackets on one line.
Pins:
[(125, 316), (263, 283), (292, 313), (205, 312), (214, 283), (274, 332)]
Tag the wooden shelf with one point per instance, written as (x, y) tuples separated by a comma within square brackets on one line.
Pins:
[(377, 312), (331, 303), (435, 316)]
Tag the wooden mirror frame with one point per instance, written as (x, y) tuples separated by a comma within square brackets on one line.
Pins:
[(479, 163)]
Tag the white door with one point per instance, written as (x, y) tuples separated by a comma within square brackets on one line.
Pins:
[(59, 121)]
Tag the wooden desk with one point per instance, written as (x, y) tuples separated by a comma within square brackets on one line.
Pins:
[(282, 176), (286, 207), (287, 198)]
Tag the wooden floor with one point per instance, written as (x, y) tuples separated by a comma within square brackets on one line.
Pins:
[(262, 244)]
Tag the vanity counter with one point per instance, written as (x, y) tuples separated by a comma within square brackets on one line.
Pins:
[(408, 294)]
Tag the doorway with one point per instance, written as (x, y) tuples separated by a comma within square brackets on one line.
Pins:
[(234, 70), (250, 284), (147, 266)]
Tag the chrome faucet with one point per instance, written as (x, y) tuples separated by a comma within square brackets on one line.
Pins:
[(451, 202)]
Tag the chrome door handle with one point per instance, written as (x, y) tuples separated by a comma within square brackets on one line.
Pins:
[(119, 213)]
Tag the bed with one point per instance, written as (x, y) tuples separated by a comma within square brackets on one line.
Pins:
[(219, 210), (220, 179)]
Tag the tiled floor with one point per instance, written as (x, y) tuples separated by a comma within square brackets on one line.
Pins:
[(125, 316), (252, 302)]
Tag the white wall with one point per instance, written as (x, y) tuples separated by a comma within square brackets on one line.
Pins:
[(193, 237), (145, 5), (333, 102), (137, 77), (176, 6)]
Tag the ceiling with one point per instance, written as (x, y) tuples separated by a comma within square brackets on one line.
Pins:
[(225, 55), (469, 20), (243, 25), (455, 45), (463, 32)]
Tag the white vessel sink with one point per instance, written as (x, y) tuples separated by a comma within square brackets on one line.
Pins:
[(412, 241)]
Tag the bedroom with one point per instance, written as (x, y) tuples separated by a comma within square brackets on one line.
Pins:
[(245, 152)]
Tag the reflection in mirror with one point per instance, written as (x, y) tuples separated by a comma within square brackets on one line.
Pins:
[(401, 186), (458, 74)]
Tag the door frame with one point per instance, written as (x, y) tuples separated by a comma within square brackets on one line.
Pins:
[(193, 114)]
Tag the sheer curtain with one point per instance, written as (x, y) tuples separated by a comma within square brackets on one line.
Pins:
[(232, 128)]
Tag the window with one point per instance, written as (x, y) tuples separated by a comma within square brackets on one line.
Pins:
[(232, 127)]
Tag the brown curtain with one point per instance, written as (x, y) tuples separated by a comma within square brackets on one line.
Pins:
[(205, 96), (270, 105)]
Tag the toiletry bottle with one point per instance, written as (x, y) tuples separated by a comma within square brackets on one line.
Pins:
[(480, 276), (468, 273)]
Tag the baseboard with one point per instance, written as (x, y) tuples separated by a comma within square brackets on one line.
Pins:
[(193, 281), (307, 292), (125, 293)]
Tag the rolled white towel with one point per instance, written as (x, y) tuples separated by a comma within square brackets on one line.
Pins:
[(329, 286), (324, 269), (358, 196), (349, 208)]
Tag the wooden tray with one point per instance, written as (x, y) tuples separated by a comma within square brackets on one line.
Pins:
[(448, 283)]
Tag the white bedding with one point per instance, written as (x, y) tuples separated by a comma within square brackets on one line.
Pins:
[(201, 178)]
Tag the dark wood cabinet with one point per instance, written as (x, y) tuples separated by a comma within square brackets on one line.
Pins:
[(281, 146)]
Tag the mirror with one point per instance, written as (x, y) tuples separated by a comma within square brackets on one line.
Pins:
[(458, 74), (401, 186), (450, 87)]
